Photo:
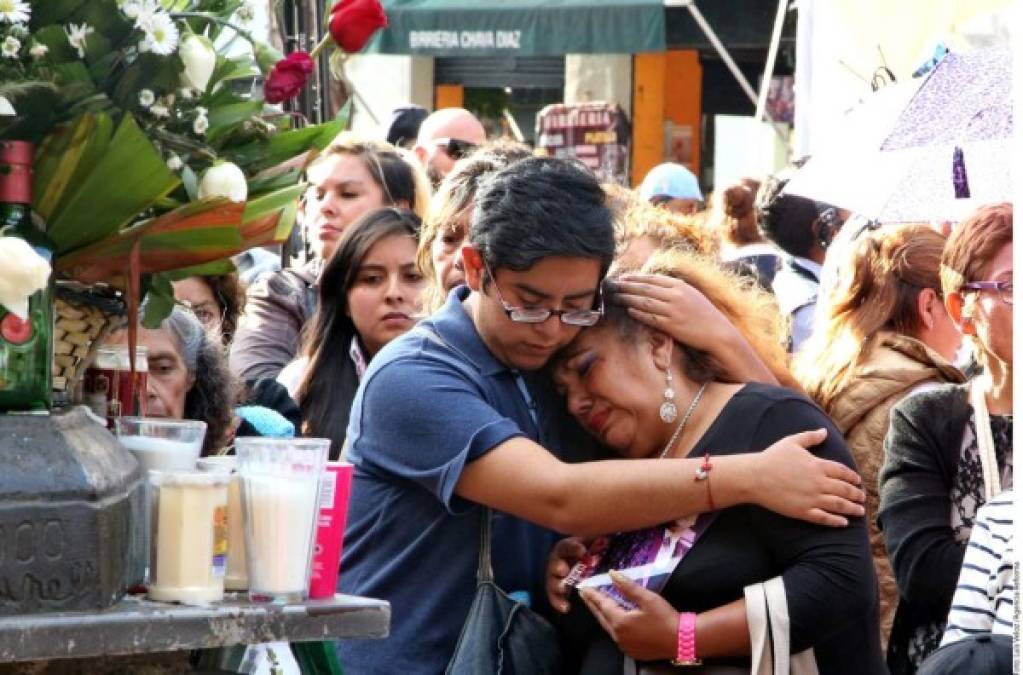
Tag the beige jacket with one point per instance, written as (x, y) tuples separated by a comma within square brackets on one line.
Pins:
[(893, 367)]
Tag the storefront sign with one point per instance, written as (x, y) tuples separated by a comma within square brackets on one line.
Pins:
[(521, 27), (596, 134)]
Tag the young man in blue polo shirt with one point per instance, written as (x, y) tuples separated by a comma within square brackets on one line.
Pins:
[(445, 422)]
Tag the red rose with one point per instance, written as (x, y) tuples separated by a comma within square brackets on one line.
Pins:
[(287, 78), (353, 22)]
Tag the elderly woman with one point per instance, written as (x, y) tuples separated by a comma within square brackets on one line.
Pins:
[(189, 379), (614, 378), (884, 333), (188, 376), (949, 450)]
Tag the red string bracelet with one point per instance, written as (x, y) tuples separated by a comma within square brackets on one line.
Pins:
[(703, 474)]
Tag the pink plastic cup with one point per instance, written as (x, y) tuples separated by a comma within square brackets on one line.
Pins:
[(330, 529)]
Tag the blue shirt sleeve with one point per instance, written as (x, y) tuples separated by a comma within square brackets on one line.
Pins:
[(422, 420)]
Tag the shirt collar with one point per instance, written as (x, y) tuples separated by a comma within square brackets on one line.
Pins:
[(455, 325), (808, 265), (358, 358)]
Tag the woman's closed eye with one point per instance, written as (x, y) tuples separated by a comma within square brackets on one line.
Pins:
[(586, 364)]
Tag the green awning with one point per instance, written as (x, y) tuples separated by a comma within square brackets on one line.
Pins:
[(521, 27)]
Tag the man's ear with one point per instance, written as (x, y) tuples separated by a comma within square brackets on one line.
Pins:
[(955, 303), (661, 347), (420, 153), (473, 263)]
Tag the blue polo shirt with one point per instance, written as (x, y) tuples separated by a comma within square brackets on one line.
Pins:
[(425, 409)]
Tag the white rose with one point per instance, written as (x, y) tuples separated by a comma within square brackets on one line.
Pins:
[(174, 163), (159, 110), (25, 272), (200, 125), (224, 180), (200, 59), (38, 51), (146, 98)]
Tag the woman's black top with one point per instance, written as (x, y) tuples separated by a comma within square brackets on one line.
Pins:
[(828, 572)]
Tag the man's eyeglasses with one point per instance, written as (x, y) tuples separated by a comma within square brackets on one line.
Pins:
[(571, 317), (1004, 288), (454, 147)]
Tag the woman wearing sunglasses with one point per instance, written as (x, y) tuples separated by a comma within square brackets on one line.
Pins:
[(949, 449)]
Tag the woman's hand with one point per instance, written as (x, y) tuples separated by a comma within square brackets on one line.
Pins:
[(647, 633), (789, 480), (565, 554)]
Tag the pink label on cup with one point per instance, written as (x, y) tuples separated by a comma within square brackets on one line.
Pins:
[(330, 529)]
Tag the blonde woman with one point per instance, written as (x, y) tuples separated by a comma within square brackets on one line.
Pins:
[(885, 334), (446, 226), (352, 177), (642, 229)]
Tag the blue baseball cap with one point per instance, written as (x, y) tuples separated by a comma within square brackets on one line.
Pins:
[(670, 180)]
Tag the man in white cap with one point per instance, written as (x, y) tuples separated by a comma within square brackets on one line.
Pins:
[(446, 136), (672, 187)]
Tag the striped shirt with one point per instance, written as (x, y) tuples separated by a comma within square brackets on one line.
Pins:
[(985, 598)]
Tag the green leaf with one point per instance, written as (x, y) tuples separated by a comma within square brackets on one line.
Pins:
[(60, 155), (124, 182), (254, 157), (222, 119), (274, 201), (233, 69), (159, 301), (54, 37), (75, 74), (273, 181), (53, 11), (149, 71), (225, 266)]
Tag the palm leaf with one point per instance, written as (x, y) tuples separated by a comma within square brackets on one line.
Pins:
[(128, 178), (196, 233)]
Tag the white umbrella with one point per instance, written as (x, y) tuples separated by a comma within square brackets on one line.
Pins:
[(922, 119)]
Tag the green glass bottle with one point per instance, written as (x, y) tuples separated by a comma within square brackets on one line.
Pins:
[(26, 347)]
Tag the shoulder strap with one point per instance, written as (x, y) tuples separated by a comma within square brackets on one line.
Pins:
[(985, 440), (756, 616), (484, 569)]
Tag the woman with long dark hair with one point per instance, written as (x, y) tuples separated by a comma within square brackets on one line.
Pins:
[(369, 294)]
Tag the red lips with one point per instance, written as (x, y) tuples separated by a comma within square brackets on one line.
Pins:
[(597, 421)]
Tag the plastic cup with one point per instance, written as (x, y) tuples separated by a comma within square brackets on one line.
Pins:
[(163, 444), (280, 500), (330, 530), (236, 579)]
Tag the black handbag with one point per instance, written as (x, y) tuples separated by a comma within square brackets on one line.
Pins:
[(502, 636)]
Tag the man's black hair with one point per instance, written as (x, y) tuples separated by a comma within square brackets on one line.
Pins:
[(787, 220), (540, 207)]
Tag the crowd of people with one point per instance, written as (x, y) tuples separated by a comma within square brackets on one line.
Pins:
[(502, 344)]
